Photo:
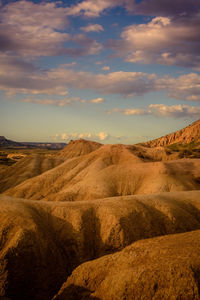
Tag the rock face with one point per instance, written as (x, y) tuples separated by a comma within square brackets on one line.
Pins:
[(184, 136), (43, 242), (166, 267)]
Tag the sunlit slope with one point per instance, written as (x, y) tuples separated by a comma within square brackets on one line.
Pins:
[(42, 242), (189, 134), (111, 170), (167, 267), (26, 168), (79, 148)]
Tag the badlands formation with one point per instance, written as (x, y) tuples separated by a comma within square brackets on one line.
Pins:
[(103, 222)]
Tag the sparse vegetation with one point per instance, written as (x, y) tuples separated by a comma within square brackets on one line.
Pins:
[(191, 150)]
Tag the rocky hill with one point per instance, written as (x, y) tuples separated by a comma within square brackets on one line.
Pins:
[(111, 170), (189, 134), (113, 222), (43, 242), (78, 148)]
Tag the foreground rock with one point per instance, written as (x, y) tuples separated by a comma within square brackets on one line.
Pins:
[(41, 243), (166, 267)]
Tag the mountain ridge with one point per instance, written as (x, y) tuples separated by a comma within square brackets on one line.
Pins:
[(6, 143), (187, 135)]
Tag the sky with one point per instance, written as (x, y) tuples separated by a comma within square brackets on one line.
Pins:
[(112, 71)]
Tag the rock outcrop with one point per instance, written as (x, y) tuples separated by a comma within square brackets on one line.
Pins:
[(186, 135)]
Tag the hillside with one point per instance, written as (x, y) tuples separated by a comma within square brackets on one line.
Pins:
[(189, 134), (43, 242), (26, 168), (101, 222), (111, 170), (78, 148), (161, 268)]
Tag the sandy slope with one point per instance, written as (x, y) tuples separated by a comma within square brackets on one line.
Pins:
[(27, 167), (167, 267), (42, 242), (111, 170), (78, 148)]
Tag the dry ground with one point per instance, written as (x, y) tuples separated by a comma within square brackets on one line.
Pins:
[(43, 242)]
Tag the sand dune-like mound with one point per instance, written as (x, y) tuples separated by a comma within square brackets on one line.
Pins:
[(78, 148), (111, 170), (26, 168), (186, 135), (42, 242), (167, 267)]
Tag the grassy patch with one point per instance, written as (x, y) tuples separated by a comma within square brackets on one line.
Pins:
[(191, 150)]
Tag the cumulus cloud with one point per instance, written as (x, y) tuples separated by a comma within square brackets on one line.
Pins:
[(92, 28), (19, 76), (61, 102), (91, 8), (106, 68), (163, 40), (86, 46), (123, 83), (163, 8), (98, 100), (161, 110), (101, 136), (46, 24), (185, 87)]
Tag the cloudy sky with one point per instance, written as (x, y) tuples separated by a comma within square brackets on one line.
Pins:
[(114, 71)]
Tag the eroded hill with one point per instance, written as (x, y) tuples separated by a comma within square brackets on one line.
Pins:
[(111, 170), (43, 242), (78, 148), (26, 168), (166, 267), (189, 134), (147, 200)]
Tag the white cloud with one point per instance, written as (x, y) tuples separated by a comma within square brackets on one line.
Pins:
[(20, 76), (161, 110), (163, 40), (185, 87), (61, 101), (101, 136), (92, 28), (91, 8), (35, 29), (106, 68), (98, 100)]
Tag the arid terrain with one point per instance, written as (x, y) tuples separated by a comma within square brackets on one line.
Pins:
[(95, 221)]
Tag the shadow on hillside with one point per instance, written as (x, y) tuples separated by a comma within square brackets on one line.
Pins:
[(74, 292), (45, 255), (151, 222)]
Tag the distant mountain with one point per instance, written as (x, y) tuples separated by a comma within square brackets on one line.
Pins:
[(5, 143), (186, 135)]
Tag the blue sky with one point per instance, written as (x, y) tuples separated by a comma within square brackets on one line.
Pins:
[(115, 71)]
